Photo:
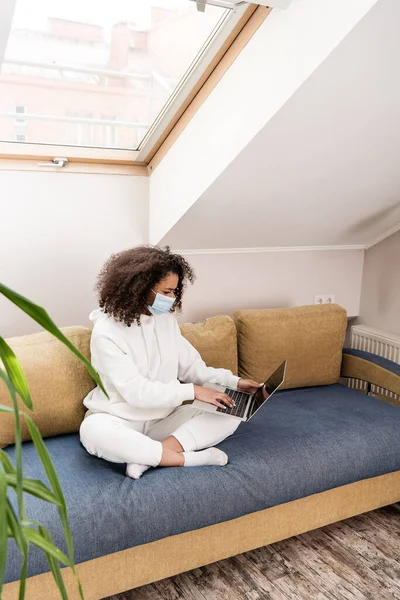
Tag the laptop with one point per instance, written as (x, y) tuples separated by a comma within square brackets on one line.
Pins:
[(246, 404)]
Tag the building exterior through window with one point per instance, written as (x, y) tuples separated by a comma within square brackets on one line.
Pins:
[(95, 74)]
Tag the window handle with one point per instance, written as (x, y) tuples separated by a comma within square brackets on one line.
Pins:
[(56, 162)]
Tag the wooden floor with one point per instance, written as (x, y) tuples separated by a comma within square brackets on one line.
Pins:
[(352, 560)]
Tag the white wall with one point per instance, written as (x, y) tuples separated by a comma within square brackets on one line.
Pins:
[(228, 282), (56, 232), (380, 295), (285, 50)]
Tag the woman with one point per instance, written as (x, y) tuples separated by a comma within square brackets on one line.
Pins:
[(149, 369)]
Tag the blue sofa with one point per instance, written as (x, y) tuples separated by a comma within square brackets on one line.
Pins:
[(311, 456)]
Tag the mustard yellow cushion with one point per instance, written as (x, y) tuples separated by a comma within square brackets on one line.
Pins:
[(311, 338), (215, 340), (58, 382)]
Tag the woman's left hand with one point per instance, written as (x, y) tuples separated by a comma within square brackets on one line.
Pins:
[(248, 385)]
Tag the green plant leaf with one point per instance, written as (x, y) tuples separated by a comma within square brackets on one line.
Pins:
[(14, 385), (6, 408), (23, 546), (30, 522), (18, 443), (6, 462), (52, 476), (22, 577), (35, 538), (15, 372), (54, 564), (45, 460), (20, 496), (3, 528), (38, 314), (14, 526), (35, 487), (54, 483)]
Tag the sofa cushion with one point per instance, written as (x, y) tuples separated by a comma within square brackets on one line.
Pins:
[(302, 442), (310, 338), (58, 382), (215, 339)]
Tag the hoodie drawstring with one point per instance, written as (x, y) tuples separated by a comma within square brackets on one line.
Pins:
[(157, 339), (158, 345)]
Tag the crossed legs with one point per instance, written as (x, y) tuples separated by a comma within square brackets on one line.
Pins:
[(168, 442), (172, 453)]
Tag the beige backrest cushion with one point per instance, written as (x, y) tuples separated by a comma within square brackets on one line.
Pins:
[(215, 340), (310, 338), (58, 382)]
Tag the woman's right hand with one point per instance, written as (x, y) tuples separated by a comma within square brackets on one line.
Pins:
[(211, 396)]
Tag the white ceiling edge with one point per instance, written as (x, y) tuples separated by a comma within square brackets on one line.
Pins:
[(258, 250), (383, 236), (267, 249), (366, 246)]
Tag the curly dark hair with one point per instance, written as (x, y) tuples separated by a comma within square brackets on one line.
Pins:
[(124, 283)]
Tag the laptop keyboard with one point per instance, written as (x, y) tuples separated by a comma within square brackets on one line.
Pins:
[(241, 399)]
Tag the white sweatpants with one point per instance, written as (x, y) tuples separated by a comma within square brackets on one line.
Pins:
[(122, 441)]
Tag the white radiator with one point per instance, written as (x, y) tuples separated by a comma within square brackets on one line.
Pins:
[(380, 343)]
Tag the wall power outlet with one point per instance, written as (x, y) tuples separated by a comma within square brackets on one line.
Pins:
[(324, 299)]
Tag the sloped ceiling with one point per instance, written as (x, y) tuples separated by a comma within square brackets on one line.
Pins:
[(326, 169)]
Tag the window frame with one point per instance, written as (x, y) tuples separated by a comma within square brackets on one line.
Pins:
[(221, 50)]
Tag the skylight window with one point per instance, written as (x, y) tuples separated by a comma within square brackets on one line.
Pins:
[(98, 74)]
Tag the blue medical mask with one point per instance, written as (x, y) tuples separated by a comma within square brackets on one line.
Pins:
[(162, 304)]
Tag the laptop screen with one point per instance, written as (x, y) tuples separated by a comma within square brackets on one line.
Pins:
[(264, 392)]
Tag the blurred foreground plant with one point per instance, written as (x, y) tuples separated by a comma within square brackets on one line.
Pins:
[(14, 524)]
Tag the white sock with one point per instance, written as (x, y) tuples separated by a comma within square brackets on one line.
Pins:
[(135, 471), (209, 456)]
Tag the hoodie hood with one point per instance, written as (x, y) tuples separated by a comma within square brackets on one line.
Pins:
[(98, 315)]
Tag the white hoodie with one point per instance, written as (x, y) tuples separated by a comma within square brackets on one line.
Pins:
[(140, 367)]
